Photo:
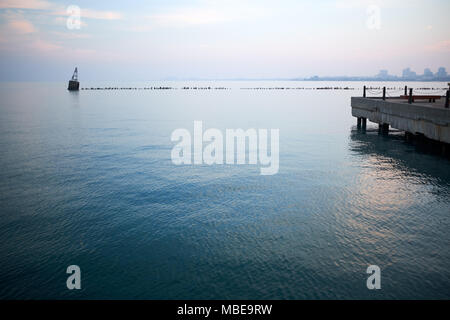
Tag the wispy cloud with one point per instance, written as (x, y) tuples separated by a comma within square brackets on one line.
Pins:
[(71, 35), (101, 15), (441, 46), (190, 17), (20, 35), (58, 9), (44, 46), (349, 4), (206, 14), (91, 14), (26, 4), (15, 24), (20, 26), (26, 29)]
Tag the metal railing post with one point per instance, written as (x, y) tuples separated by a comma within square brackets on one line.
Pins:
[(446, 98)]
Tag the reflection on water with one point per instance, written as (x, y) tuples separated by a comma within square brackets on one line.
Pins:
[(75, 98), (393, 155), (403, 199)]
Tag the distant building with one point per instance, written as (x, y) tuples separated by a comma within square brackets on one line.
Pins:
[(442, 73), (382, 74), (408, 74), (427, 73)]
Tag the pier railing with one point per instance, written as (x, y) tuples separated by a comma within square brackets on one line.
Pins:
[(430, 94)]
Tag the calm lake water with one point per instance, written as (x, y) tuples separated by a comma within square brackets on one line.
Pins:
[(86, 178)]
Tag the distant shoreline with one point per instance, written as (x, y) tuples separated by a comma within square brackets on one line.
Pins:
[(214, 80)]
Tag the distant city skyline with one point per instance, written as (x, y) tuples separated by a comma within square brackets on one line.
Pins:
[(44, 40), (408, 73), (383, 75)]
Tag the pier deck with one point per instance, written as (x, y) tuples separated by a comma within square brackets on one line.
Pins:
[(430, 119)]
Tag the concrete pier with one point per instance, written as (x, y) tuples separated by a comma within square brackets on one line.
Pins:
[(429, 119)]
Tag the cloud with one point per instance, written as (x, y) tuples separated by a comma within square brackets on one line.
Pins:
[(24, 31), (44, 46), (349, 4), (90, 14), (25, 4), (101, 15), (58, 9), (190, 17), (20, 27), (20, 35), (71, 35), (441, 46), (15, 24), (199, 16)]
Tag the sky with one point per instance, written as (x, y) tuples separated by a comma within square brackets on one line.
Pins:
[(43, 40)]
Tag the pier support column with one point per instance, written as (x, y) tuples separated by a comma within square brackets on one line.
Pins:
[(383, 128), (364, 123), (408, 136), (358, 122)]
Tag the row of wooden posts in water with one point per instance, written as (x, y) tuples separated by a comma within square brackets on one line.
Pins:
[(215, 88), (154, 88)]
